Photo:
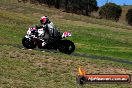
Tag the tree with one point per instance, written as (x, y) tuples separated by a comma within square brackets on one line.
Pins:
[(129, 17), (84, 7), (57, 4), (110, 11), (89, 6), (66, 5)]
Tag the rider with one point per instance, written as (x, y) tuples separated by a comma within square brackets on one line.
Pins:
[(47, 24), (50, 29)]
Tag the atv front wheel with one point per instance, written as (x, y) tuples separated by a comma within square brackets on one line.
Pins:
[(28, 43)]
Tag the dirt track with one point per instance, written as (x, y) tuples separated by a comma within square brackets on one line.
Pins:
[(119, 60)]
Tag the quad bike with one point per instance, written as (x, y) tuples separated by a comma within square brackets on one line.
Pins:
[(32, 40)]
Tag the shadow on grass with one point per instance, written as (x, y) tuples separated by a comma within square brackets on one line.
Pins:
[(102, 58)]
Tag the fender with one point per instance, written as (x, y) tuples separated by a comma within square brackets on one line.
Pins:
[(27, 36), (66, 34)]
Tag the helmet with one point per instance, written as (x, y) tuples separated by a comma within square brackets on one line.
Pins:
[(44, 20)]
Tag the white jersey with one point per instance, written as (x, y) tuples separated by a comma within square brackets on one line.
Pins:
[(51, 27)]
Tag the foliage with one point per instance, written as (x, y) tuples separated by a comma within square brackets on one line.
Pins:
[(110, 11), (84, 7), (129, 16)]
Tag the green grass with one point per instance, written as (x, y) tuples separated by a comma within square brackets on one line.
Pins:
[(105, 42), (23, 68)]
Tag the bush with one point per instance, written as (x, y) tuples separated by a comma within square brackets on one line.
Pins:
[(129, 17), (110, 11)]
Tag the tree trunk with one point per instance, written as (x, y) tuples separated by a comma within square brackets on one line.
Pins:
[(66, 5), (57, 4)]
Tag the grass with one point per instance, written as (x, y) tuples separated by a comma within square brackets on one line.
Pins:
[(101, 41), (23, 68)]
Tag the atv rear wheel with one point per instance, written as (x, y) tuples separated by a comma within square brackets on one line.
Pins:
[(66, 46)]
